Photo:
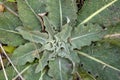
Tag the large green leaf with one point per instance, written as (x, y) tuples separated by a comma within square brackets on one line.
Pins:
[(60, 69), (27, 15), (26, 53), (107, 53), (33, 36), (8, 23), (84, 34), (59, 10), (107, 17), (38, 6)]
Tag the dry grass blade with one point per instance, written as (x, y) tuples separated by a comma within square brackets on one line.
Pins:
[(42, 74), (97, 60), (5, 74), (98, 11), (21, 72), (3, 7), (116, 35), (11, 62)]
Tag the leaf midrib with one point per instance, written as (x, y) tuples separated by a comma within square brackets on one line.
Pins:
[(81, 36)]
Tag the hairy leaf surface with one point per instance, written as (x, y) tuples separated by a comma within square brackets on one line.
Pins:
[(27, 15), (65, 33), (33, 36), (85, 34), (60, 69), (10, 71), (26, 53), (107, 53), (38, 6), (59, 10), (109, 16), (8, 23), (43, 62)]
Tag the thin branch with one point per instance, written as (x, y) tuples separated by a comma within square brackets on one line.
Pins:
[(10, 62), (60, 70), (42, 74), (11, 11), (1, 61), (97, 12), (60, 14), (22, 72), (34, 12)]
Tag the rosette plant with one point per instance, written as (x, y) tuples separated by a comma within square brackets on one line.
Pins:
[(59, 40)]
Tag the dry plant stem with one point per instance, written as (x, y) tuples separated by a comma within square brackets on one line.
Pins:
[(10, 10), (5, 74), (35, 14), (11, 62), (97, 60), (42, 74), (22, 72), (11, 31), (60, 13), (97, 12)]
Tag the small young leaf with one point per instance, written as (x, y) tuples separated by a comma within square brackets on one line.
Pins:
[(43, 62), (65, 33), (49, 27)]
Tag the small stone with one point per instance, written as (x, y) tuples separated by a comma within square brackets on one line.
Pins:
[(2, 8)]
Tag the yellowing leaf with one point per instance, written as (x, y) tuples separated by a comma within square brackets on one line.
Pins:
[(11, 0), (9, 49)]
